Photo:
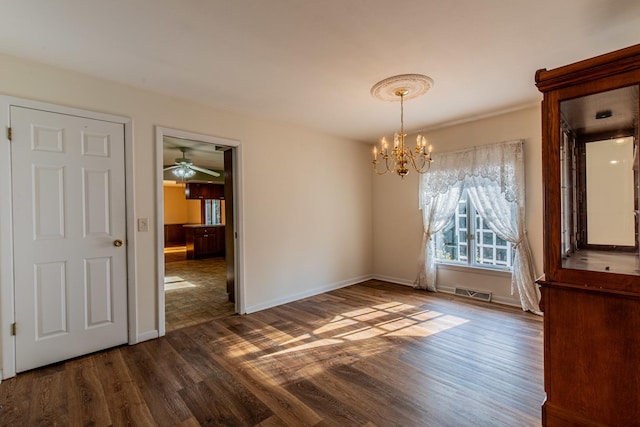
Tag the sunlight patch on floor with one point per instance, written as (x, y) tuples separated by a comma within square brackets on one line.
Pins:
[(334, 325), (307, 346), (402, 320), (174, 282), (424, 329)]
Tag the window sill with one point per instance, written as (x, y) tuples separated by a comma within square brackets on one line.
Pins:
[(473, 269)]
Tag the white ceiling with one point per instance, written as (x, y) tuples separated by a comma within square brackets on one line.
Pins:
[(312, 63)]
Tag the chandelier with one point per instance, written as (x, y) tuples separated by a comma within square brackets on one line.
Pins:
[(397, 159)]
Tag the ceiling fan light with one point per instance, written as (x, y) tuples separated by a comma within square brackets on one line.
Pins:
[(184, 172)]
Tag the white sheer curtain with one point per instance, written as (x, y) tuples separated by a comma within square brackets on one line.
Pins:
[(439, 193), (435, 216), (493, 176)]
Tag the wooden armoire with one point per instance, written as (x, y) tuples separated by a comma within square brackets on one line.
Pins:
[(591, 288)]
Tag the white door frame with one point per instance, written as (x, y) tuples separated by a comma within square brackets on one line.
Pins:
[(7, 310), (161, 132)]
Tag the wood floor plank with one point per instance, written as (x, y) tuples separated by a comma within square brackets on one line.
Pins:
[(230, 393), (267, 388), (373, 354), (335, 411), (48, 401), (157, 386), (86, 399), (124, 400), (208, 407)]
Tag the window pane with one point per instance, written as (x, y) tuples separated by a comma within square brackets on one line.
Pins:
[(212, 211), (216, 212), (207, 212), (463, 252), (487, 238), (462, 222), (500, 242), (447, 244)]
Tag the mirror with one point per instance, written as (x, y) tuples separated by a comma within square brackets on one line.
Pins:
[(599, 182)]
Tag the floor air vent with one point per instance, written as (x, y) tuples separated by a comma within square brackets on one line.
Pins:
[(470, 293)]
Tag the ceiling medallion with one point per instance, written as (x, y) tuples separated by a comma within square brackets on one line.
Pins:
[(415, 85), (399, 88)]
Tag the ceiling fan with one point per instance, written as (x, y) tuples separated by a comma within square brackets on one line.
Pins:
[(185, 169)]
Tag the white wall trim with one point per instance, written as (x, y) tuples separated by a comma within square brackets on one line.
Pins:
[(308, 293), (450, 290), (7, 312), (396, 280), (161, 132), (148, 335), (132, 263), (496, 299)]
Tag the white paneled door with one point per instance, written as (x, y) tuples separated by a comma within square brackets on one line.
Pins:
[(68, 185)]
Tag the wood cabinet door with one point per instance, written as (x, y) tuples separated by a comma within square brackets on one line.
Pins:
[(216, 191), (198, 190)]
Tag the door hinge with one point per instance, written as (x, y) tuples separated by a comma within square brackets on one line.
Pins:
[(9, 134), (13, 329)]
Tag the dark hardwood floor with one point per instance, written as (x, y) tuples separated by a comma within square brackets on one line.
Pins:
[(373, 354)]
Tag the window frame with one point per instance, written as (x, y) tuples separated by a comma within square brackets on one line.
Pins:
[(474, 230), (216, 205)]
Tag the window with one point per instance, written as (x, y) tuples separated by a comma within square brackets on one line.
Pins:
[(211, 211), (468, 240)]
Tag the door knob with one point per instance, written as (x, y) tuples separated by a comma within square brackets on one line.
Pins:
[(117, 243)]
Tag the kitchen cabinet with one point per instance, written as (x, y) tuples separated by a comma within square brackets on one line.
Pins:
[(204, 241), (173, 235), (198, 190)]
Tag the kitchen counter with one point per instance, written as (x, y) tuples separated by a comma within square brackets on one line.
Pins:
[(204, 240)]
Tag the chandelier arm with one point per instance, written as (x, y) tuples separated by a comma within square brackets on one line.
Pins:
[(386, 163), (426, 162)]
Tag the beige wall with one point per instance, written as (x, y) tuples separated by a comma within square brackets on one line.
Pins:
[(309, 225), (307, 218), (178, 209), (397, 221)]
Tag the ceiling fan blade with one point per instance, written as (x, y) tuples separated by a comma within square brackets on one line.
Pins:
[(171, 168), (203, 170)]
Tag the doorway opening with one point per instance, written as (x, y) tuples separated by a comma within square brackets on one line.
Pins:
[(196, 229)]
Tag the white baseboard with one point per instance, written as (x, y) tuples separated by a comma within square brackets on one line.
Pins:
[(497, 299), (306, 294), (395, 280), (149, 335), (514, 302)]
